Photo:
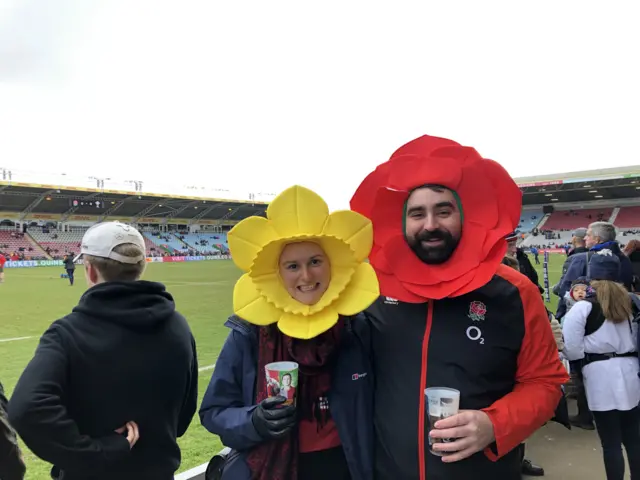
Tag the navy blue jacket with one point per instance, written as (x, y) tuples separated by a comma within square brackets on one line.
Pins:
[(577, 267), (230, 397)]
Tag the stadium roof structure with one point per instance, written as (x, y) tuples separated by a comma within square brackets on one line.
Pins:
[(25, 201), (41, 202), (609, 184)]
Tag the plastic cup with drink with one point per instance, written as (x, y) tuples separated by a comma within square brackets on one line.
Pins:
[(282, 380), (442, 402)]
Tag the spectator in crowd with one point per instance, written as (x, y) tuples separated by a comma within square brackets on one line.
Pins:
[(114, 383), (599, 332), (328, 432), (484, 328), (599, 236), (578, 245), (524, 264), (11, 463), (70, 267), (632, 250)]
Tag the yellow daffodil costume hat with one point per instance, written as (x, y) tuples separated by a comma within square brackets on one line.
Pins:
[(299, 215)]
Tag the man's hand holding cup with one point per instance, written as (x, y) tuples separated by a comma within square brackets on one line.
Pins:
[(468, 432)]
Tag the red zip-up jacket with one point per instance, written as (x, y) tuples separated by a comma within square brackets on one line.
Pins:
[(494, 344)]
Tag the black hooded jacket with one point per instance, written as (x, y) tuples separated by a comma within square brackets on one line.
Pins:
[(527, 269), (123, 354), (11, 464)]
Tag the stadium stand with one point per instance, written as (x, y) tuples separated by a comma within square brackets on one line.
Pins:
[(211, 241), (57, 243), (153, 250), (162, 242), (572, 219), (628, 217), (530, 220), (12, 241)]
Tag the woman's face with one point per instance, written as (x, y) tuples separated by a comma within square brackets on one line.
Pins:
[(305, 271)]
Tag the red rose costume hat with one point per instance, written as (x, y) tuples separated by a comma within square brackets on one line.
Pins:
[(490, 202)]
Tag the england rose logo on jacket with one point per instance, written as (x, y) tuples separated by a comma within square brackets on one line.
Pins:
[(477, 311)]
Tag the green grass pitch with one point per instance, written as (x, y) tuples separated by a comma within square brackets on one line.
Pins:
[(32, 298)]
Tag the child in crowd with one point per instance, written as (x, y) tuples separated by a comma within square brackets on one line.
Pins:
[(580, 289)]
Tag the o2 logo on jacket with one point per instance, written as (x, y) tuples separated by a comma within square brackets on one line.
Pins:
[(477, 312)]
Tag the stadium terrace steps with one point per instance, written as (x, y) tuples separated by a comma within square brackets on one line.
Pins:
[(37, 246), (628, 217), (614, 215), (572, 219), (25, 242), (530, 219), (217, 241), (153, 248), (543, 221), (59, 243)]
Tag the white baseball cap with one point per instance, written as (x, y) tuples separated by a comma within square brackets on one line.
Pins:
[(102, 238)]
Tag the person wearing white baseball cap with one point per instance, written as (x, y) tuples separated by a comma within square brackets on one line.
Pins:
[(102, 241), (114, 383)]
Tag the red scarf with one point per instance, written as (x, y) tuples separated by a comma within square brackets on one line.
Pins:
[(278, 459)]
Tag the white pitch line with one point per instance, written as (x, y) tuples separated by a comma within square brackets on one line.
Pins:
[(13, 339), (208, 367)]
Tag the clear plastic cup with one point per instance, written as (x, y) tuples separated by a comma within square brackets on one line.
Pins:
[(442, 402)]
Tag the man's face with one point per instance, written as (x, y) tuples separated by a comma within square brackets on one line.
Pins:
[(433, 224), (590, 240), (512, 248)]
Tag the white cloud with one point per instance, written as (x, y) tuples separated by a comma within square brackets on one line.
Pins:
[(260, 95)]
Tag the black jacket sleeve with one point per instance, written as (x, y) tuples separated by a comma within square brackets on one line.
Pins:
[(190, 403), (11, 464), (38, 413)]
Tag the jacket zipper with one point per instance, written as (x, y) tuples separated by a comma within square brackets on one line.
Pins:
[(423, 385)]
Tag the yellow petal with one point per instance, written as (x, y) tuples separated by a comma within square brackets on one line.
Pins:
[(247, 238), (306, 327), (354, 229), (298, 211), (250, 305), (361, 292)]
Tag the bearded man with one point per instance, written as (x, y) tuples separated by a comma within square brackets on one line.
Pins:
[(451, 315)]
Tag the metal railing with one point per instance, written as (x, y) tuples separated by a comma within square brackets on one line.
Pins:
[(196, 473)]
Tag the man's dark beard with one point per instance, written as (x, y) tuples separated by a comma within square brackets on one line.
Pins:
[(433, 255)]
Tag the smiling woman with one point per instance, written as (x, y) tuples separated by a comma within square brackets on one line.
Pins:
[(284, 394), (305, 271), (305, 267)]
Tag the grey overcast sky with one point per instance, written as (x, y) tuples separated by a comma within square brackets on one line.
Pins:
[(257, 96)]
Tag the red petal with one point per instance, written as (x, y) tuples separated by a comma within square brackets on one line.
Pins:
[(364, 198), (387, 215), (491, 203), (390, 286), (413, 171), (423, 146)]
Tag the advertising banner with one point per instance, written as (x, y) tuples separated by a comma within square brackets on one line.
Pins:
[(34, 263), (60, 263)]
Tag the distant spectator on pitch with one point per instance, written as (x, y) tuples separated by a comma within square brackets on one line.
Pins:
[(3, 260), (114, 383), (70, 267), (11, 464)]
